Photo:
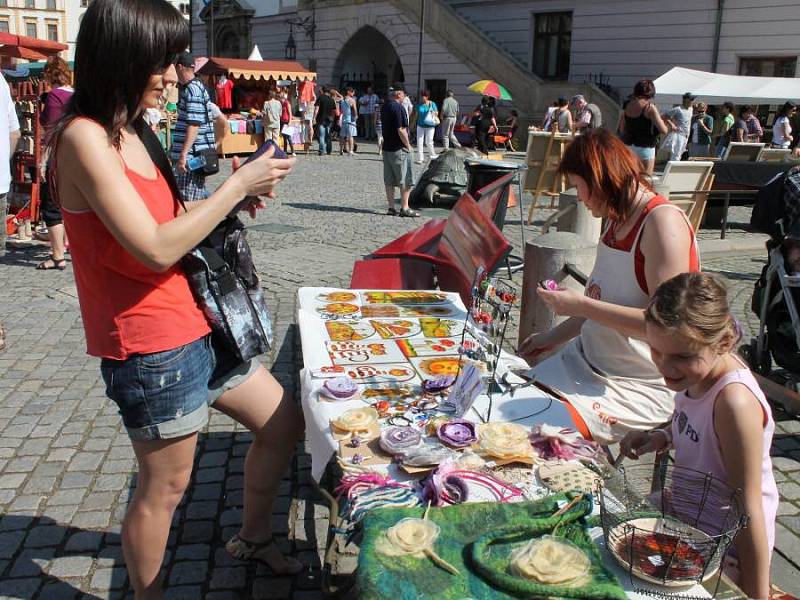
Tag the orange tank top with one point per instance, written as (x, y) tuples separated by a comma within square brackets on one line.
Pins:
[(126, 307)]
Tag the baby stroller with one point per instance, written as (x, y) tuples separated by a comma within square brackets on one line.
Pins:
[(777, 291)]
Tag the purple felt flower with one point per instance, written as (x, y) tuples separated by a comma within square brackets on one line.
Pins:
[(396, 439), (437, 384), (457, 433)]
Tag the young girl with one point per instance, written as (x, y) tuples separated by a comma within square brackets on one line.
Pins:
[(722, 423)]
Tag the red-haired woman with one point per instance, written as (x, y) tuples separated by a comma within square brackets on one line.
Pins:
[(604, 366)]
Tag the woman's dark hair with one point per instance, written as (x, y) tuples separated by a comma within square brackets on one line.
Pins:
[(425, 94), (644, 88), (611, 171), (787, 108), (120, 45)]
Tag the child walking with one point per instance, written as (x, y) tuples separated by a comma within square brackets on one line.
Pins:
[(722, 423)]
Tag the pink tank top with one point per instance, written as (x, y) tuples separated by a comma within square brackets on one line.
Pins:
[(697, 447)]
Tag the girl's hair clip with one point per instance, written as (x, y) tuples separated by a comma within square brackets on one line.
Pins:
[(737, 328)]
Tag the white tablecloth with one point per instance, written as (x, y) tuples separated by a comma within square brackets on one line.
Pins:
[(527, 406)]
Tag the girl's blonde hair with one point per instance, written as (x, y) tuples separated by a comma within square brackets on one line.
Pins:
[(696, 304)]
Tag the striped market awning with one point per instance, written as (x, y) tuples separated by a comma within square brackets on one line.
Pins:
[(238, 68)]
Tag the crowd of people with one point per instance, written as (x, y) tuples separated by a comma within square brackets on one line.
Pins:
[(650, 342), (693, 129), (690, 129)]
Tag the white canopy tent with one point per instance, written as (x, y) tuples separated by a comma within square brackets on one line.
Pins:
[(716, 88)]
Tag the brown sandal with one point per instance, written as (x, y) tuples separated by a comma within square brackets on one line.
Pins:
[(243, 550)]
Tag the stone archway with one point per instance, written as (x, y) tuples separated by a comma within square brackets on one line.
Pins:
[(368, 58), (228, 44)]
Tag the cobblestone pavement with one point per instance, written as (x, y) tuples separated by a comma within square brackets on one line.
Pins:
[(67, 469)]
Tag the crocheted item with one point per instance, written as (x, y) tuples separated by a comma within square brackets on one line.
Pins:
[(382, 577), (367, 491), (565, 477)]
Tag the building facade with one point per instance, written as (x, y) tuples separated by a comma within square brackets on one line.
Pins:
[(618, 42), (43, 19), (74, 10), (539, 49)]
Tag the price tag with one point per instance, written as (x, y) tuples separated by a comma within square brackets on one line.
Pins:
[(468, 386)]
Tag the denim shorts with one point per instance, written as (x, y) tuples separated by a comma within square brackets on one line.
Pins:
[(167, 394), (647, 153)]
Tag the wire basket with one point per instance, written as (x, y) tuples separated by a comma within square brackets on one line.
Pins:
[(669, 525)]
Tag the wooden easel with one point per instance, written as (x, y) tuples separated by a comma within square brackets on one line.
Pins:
[(547, 170)]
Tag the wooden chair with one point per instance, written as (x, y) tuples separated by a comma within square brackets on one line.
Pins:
[(544, 153)]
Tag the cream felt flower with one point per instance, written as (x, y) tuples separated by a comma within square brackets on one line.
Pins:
[(356, 419), (551, 561)]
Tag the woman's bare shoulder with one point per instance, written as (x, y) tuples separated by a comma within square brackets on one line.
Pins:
[(81, 134)]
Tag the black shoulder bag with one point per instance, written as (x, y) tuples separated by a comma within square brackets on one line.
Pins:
[(222, 276), (210, 156)]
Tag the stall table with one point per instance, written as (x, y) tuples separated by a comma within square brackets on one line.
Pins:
[(240, 143), (337, 326)]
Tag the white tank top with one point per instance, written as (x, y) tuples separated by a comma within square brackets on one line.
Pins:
[(697, 446)]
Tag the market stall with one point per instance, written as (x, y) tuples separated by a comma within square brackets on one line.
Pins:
[(242, 87), (23, 199), (765, 94), (716, 88), (431, 422)]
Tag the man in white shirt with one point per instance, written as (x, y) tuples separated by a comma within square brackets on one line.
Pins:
[(9, 136), (366, 108), (681, 117)]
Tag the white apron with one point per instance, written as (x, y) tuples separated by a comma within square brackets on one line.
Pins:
[(609, 378)]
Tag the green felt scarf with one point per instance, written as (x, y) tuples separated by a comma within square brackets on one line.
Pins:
[(477, 539)]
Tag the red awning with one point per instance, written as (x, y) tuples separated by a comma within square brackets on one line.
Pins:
[(21, 52), (257, 69), (45, 47)]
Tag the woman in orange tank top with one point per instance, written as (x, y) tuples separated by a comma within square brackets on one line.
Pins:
[(128, 235)]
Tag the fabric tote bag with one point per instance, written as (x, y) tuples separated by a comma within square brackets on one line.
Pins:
[(222, 277)]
